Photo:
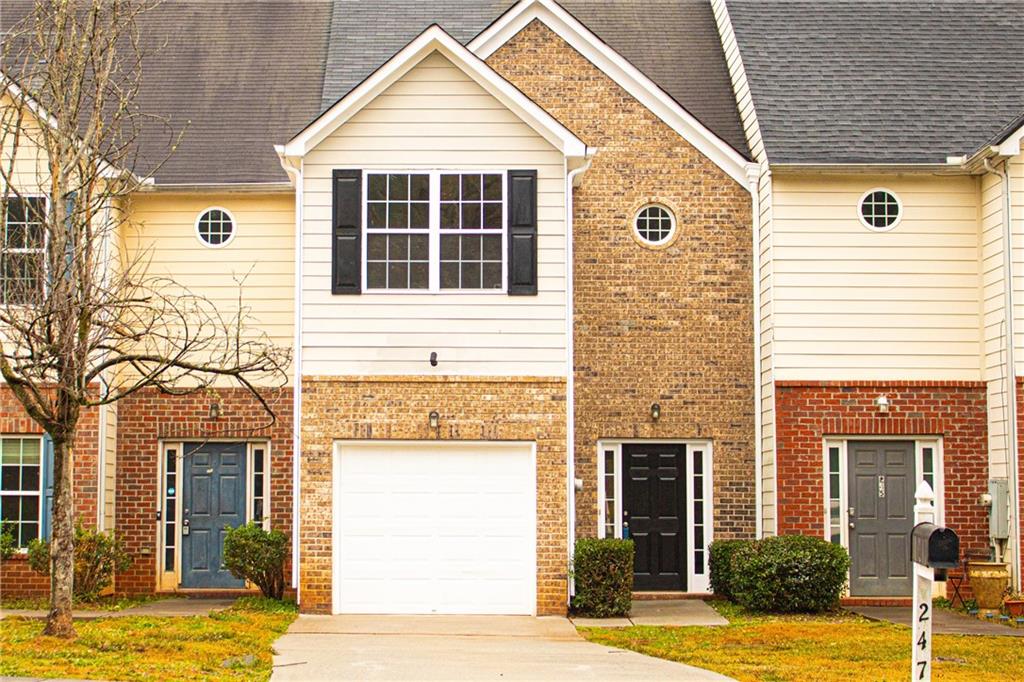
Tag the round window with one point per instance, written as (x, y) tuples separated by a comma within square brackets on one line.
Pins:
[(215, 227), (880, 210), (655, 225)]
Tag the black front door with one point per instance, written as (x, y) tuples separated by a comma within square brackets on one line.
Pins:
[(214, 499), (654, 511), (881, 494)]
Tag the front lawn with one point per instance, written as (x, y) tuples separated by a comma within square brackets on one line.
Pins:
[(839, 646), (231, 645), (112, 603)]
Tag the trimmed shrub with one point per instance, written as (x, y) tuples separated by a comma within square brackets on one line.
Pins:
[(258, 556), (8, 543), (720, 565), (98, 556), (789, 573), (603, 570)]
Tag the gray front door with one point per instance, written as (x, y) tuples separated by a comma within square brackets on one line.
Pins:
[(214, 499), (881, 497)]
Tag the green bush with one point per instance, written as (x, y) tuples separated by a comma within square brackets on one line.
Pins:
[(789, 573), (98, 556), (258, 556), (603, 570), (720, 565)]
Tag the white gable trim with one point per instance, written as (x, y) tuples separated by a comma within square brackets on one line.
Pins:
[(616, 67), (1014, 142), (435, 39)]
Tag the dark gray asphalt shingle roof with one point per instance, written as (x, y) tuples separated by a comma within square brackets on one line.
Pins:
[(878, 81), (673, 42)]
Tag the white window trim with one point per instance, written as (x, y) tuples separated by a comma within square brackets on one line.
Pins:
[(234, 227), (694, 582), (434, 230), (899, 211), (23, 493), (672, 225), (172, 579), (46, 237), (841, 442)]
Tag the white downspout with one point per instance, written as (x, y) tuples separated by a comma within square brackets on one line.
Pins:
[(1010, 371), (296, 175), (570, 388), (754, 175)]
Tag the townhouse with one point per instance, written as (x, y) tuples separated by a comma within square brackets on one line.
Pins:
[(553, 270)]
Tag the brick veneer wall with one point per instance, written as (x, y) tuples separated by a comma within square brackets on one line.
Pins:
[(672, 325), (1020, 473), (148, 417), (806, 412), (16, 579), (396, 408)]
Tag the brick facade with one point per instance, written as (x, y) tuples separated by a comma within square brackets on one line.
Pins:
[(148, 417), (396, 408), (807, 412), (672, 325), (16, 579), (1020, 474)]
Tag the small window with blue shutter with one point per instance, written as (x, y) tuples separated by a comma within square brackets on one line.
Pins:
[(26, 493)]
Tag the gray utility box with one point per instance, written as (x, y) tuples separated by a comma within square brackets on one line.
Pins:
[(999, 512)]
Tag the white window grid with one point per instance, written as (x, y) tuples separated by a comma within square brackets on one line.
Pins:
[(654, 224), (24, 250), (434, 231), (472, 221), (13, 458), (880, 209), (394, 219), (215, 227)]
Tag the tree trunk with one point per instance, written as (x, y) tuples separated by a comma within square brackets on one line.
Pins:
[(62, 541)]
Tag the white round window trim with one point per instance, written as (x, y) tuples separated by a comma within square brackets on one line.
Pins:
[(880, 209), (654, 225), (215, 227)]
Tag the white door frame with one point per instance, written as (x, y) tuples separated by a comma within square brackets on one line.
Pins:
[(695, 582), (171, 579)]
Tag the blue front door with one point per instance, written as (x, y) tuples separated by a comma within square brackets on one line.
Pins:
[(214, 501)]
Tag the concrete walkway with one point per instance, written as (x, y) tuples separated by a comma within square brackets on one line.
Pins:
[(458, 648), (666, 612), (158, 609), (946, 622)]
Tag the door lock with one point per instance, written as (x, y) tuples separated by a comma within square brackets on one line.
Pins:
[(184, 527)]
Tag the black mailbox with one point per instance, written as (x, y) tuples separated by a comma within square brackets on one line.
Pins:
[(935, 546)]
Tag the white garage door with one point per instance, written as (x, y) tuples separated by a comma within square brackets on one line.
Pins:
[(435, 528)]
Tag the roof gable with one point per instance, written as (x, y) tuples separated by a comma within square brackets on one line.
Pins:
[(620, 70), (435, 39)]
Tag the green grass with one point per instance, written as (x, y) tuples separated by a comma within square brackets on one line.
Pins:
[(100, 604), (837, 646), (140, 648)]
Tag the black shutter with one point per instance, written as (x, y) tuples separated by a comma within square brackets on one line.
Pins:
[(346, 232), (522, 232)]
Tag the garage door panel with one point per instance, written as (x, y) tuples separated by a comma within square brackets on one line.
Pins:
[(428, 528)]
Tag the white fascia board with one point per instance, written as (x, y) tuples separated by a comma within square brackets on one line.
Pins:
[(435, 39), (1011, 146), (618, 68)]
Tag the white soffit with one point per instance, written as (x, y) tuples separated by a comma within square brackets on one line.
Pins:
[(435, 39), (618, 68)]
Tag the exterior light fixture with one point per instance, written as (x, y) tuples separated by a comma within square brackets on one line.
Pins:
[(434, 419), (433, 358), (655, 411), (214, 410), (882, 403)]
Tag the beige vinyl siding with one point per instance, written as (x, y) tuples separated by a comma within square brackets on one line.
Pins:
[(1015, 170), (994, 319), (434, 117), (850, 303), (109, 470), (748, 115), (258, 264)]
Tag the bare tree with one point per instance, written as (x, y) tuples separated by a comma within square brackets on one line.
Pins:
[(82, 321)]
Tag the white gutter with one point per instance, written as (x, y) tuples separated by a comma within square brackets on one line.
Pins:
[(754, 176), (296, 174), (570, 381), (1010, 372)]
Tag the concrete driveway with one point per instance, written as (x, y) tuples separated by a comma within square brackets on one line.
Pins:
[(458, 647)]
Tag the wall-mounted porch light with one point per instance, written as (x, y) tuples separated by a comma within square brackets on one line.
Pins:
[(655, 411), (214, 410), (434, 419), (882, 403)]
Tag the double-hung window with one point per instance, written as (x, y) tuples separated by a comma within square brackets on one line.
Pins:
[(435, 231), (21, 487), (22, 250)]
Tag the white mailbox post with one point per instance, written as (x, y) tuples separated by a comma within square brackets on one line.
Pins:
[(924, 576)]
